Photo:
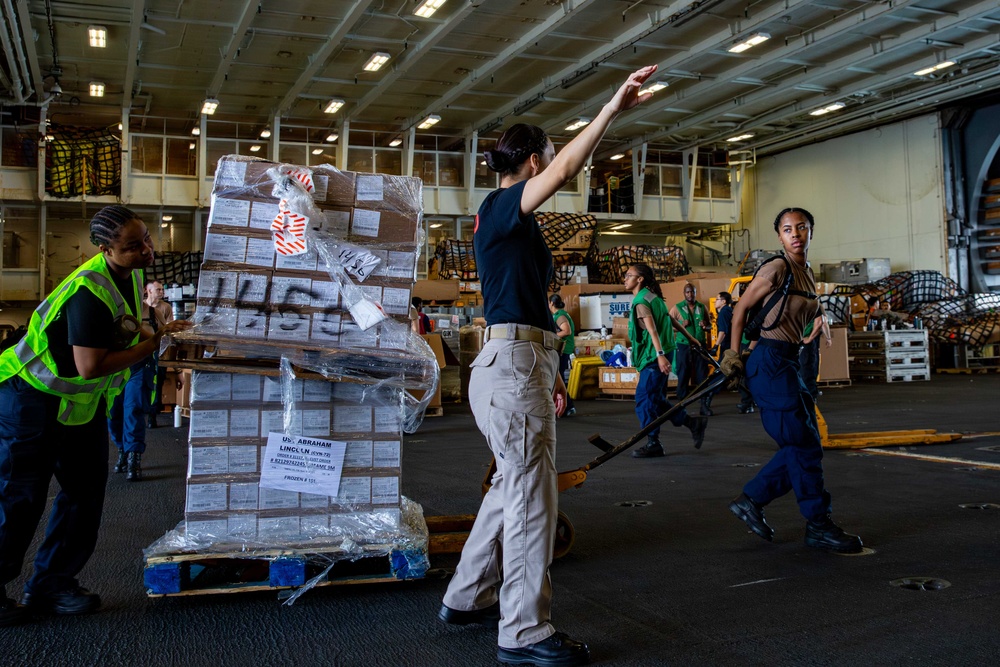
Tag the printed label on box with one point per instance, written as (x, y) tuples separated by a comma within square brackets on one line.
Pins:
[(365, 223), (230, 174), (273, 391), (321, 182), (396, 301), (251, 323), (242, 526), (225, 248), (217, 285), (209, 423), (314, 501), (402, 265), (302, 262), (232, 212), (385, 490), (370, 187), (387, 453), (349, 392), (336, 223), (260, 252), (273, 421), (316, 422), (246, 388), (387, 419), (355, 491), (206, 497), (294, 463), (252, 288), (316, 391), (288, 325), (325, 294), (243, 496), (262, 214), (351, 335), (243, 458), (325, 327), (243, 424), (352, 418), (276, 527), (219, 320), (210, 386), (209, 461), (276, 499), (212, 528), (359, 454), (286, 291)]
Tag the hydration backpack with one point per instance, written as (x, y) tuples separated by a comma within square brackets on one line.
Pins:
[(758, 313)]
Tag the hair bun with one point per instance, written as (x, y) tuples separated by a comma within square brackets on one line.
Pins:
[(496, 160)]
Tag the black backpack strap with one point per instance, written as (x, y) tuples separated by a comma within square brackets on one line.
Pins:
[(755, 324)]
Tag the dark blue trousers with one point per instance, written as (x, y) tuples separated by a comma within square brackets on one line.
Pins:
[(788, 415), (127, 420), (651, 400), (34, 447), (690, 368)]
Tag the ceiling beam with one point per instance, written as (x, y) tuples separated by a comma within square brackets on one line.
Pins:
[(30, 52), (132, 51), (250, 10)]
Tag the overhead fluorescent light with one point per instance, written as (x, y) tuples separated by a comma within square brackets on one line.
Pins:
[(164, 224), (191, 146), (167, 218), (428, 7), (395, 142), (119, 127), (617, 156), (317, 151), (429, 122), (836, 106), (330, 138), (750, 42), (929, 70), (741, 137), (435, 225), (624, 225), (196, 131), (375, 63), (577, 124), (209, 106), (255, 148), (265, 133), (96, 89), (333, 106), (97, 35), (654, 87)]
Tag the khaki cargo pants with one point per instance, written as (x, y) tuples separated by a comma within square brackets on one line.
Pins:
[(511, 397)]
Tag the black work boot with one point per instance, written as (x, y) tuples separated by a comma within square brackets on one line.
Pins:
[(752, 514), (556, 649), (706, 406), (121, 463), (650, 450), (151, 421), (134, 472), (70, 602), (745, 409), (697, 426), (11, 613), (823, 533)]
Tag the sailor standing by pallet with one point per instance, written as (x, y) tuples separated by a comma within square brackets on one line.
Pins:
[(786, 408), (516, 393)]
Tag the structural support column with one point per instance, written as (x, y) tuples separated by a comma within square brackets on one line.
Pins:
[(275, 140), (638, 177), (343, 142), (470, 171), (689, 180)]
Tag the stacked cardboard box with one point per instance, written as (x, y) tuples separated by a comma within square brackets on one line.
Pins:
[(252, 298)]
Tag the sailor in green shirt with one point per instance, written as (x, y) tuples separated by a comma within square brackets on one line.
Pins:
[(690, 367), (652, 338), (566, 330)]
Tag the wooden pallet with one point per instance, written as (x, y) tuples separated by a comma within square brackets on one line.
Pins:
[(434, 412), (211, 573), (921, 374), (844, 382)]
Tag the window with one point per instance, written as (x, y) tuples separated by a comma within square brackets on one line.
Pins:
[(361, 160), (721, 186), (651, 181), (425, 167), (215, 149), (389, 161), (182, 159), (451, 169), (671, 184), (484, 177), (701, 183), (147, 155), (292, 153), (20, 149)]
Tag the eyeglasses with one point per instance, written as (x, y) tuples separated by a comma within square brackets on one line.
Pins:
[(631, 275)]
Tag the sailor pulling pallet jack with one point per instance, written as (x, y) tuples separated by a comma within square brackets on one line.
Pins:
[(772, 374)]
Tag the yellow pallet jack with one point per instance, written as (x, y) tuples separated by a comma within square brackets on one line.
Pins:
[(863, 439)]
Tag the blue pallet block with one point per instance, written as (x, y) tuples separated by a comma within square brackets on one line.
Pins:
[(162, 578), (409, 563), (287, 572)]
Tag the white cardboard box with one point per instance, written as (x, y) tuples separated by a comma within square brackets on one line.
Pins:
[(599, 310)]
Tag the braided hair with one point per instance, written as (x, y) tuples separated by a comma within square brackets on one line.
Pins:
[(648, 278), (785, 211), (515, 145), (108, 222)]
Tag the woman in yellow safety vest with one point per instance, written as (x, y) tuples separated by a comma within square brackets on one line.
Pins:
[(55, 386)]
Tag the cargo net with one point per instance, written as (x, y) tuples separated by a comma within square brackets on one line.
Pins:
[(610, 265), (81, 161), (454, 259), (564, 267), (949, 313), (560, 228), (176, 268)]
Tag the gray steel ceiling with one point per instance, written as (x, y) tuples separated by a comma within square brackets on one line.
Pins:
[(479, 64)]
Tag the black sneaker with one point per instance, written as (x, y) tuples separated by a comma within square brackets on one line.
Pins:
[(557, 650), (752, 514), (648, 451), (70, 602), (11, 613), (825, 534), (122, 462), (698, 426), (745, 409), (488, 616)]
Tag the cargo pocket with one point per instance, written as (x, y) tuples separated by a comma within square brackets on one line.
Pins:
[(522, 435)]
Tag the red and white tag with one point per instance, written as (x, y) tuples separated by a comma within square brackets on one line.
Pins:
[(289, 230)]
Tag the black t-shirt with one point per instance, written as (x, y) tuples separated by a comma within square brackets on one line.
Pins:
[(725, 323), (514, 264), (84, 320)]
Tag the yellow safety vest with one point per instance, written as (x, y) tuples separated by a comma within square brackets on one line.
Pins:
[(32, 360)]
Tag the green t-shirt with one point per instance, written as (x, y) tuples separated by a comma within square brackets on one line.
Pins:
[(698, 314), (643, 351), (569, 342)]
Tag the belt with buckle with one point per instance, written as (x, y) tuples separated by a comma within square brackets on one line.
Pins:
[(523, 332)]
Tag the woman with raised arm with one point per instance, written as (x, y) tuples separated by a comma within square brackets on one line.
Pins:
[(516, 393)]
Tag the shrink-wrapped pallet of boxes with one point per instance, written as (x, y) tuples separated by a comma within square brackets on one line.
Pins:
[(297, 419)]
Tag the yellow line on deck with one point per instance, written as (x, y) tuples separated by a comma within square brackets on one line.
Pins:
[(935, 459)]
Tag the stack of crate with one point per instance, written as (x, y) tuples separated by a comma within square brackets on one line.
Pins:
[(889, 356), (256, 306)]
